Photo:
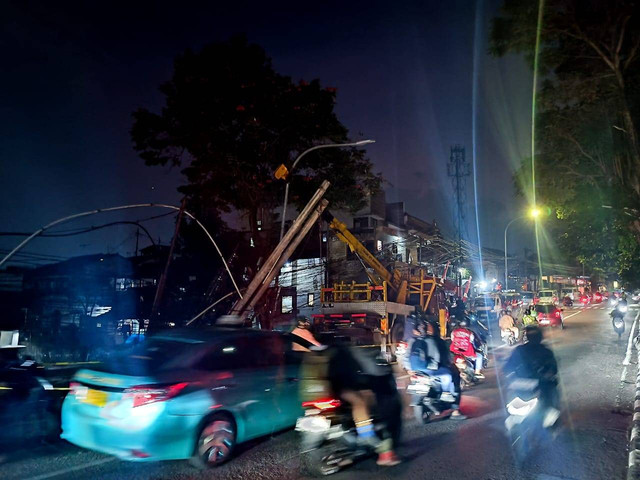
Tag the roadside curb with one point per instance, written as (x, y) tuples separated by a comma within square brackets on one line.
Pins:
[(633, 472)]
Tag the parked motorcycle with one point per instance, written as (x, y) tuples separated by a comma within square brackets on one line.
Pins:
[(427, 397)]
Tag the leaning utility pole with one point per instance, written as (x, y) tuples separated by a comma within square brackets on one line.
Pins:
[(458, 170), (163, 278)]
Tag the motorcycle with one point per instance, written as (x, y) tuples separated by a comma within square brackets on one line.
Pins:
[(508, 336), (427, 397), (466, 366), (329, 440), (617, 319), (567, 301), (528, 420)]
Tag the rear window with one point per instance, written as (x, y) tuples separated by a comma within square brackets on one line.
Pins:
[(527, 295), (483, 302), (545, 293), (545, 308)]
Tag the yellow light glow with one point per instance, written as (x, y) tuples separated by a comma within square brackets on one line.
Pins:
[(535, 212)]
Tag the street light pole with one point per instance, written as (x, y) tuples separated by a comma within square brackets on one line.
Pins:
[(293, 166), (534, 212), (506, 274)]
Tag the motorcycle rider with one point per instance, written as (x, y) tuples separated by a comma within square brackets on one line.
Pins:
[(303, 330), (507, 322), (429, 354), (535, 360), (529, 318), (467, 343), (357, 379)]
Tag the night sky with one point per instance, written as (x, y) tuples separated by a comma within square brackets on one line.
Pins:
[(73, 73)]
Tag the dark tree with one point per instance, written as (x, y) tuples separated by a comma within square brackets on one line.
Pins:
[(230, 120), (587, 150)]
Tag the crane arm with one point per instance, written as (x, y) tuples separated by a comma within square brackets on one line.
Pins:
[(343, 233)]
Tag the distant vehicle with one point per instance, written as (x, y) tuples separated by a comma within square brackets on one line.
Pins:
[(547, 296), (597, 297), (186, 394), (585, 299), (571, 292), (527, 298), (513, 299), (567, 301), (549, 315), (487, 305)]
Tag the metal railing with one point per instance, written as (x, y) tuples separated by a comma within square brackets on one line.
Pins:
[(353, 292)]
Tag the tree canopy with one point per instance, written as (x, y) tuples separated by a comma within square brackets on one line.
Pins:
[(230, 120), (587, 151)]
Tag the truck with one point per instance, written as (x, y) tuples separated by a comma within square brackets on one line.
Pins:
[(375, 312)]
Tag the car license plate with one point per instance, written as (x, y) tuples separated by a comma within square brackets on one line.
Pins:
[(96, 398)]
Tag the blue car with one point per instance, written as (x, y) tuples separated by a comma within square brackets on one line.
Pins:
[(187, 394)]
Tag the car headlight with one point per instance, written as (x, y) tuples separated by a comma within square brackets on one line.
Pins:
[(522, 408)]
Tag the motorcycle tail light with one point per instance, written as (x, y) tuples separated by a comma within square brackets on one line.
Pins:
[(325, 404)]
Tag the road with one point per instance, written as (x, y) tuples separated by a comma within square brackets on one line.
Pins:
[(592, 444)]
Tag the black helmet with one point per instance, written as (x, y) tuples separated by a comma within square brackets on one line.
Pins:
[(303, 322), (534, 334)]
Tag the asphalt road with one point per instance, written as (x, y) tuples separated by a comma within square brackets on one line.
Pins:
[(592, 444)]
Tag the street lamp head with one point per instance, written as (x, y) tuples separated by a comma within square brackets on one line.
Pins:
[(535, 212), (364, 142)]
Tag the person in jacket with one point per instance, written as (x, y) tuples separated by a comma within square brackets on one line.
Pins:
[(429, 354), (536, 361), (467, 343)]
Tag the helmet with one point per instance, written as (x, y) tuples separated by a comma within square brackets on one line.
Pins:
[(534, 334), (303, 322), (462, 323)]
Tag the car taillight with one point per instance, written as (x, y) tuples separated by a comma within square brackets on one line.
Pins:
[(558, 313), (325, 404), (143, 394)]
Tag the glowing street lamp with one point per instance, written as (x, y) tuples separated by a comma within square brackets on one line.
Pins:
[(534, 212)]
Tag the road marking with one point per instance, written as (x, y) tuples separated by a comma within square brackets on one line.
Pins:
[(627, 357), (573, 314), (57, 473)]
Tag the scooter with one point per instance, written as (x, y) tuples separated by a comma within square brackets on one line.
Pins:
[(466, 366), (617, 319), (427, 398), (508, 337), (328, 438), (528, 420)]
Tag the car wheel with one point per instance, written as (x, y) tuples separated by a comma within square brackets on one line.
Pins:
[(215, 442)]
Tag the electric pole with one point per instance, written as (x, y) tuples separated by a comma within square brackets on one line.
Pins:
[(458, 170)]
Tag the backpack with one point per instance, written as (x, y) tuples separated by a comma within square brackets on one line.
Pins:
[(314, 376)]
